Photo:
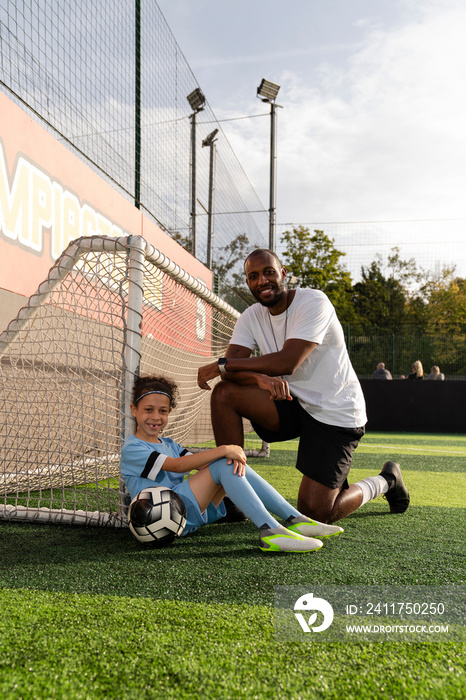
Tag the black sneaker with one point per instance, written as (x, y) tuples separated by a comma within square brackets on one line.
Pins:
[(234, 514), (397, 494)]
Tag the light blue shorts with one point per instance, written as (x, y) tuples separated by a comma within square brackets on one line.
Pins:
[(194, 518)]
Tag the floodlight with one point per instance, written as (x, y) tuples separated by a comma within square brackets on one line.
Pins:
[(267, 91), (196, 99), (208, 141)]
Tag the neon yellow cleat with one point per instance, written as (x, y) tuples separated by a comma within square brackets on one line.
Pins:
[(312, 528), (280, 539)]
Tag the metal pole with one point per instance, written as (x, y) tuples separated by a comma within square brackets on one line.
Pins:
[(273, 166), (132, 341), (133, 324), (210, 218), (137, 115), (193, 184)]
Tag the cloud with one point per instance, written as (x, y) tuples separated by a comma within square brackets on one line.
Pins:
[(381, 137), (272, 56)]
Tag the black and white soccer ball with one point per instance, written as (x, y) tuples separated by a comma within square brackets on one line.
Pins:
[(156, 516)]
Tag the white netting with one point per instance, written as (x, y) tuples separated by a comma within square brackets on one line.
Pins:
[(66, 372)]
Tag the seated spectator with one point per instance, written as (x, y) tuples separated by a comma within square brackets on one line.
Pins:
[(381, 372), (417, 371), (436, 374)]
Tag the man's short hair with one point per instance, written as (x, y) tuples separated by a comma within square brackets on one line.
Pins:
[(262, 251)]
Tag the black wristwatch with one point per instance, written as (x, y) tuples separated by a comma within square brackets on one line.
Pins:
[(221, 365)]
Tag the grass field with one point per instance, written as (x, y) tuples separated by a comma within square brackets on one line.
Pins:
[(88, 613)]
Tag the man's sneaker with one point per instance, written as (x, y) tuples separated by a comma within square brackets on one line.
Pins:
[(234, 514), (311, 528), (280, 539), (397, 494)]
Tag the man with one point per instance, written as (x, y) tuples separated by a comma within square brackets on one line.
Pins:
[(302, 385), (381, 372)]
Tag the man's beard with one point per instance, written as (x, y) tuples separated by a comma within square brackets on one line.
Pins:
[(275, 299)]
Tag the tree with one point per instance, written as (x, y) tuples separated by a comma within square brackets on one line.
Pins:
[(228, 269), (379, 301), (313, 260), (445, 305)]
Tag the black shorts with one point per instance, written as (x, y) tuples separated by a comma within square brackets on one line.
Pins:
[(325, 451)]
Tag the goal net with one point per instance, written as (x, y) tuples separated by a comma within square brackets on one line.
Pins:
[(110, 309)]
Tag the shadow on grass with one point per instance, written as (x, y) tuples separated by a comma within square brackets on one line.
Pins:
[(223, 564)]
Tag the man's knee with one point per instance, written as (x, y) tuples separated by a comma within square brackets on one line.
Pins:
[(316, 500), (222, 393), (316, 511)]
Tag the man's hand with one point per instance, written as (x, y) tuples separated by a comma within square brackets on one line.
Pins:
[(205, 373), (277, 387)]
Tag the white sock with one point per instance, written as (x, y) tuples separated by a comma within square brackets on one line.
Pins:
[(372, 487)]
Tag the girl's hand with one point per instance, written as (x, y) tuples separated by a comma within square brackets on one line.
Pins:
[(235, 452), (238, 467), (235, 455), (277, 387)]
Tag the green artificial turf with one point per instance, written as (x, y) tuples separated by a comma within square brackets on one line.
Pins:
[(90, 613)]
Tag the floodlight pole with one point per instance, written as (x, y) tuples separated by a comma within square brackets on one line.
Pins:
[(196, 101), (273, 172), (268, 92), (137, 107), (193, 183), (210, 142)]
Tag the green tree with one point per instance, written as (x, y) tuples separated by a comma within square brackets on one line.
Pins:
[(313, 260), (228, 269), (379, 301), (445, 302)]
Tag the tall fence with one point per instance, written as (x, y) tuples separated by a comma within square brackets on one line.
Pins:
[(109, 79), (400, 351)]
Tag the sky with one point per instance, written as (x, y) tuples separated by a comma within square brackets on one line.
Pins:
[(372, 94)]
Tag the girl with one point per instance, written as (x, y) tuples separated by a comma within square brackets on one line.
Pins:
[(147, 459)]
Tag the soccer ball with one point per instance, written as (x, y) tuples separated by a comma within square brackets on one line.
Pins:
[(156, 516)]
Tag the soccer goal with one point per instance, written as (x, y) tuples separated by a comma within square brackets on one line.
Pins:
[(110, 309)]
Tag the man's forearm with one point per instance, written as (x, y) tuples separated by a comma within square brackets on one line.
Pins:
[(236, 371), (243, 378), (274, 364)]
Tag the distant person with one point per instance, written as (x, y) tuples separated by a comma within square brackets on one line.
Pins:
[(436, 374), (417, 371), (381, 372)]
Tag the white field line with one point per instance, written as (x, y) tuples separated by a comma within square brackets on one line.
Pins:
[(415, 449)]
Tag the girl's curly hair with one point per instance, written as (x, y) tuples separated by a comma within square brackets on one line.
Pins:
[(154, 383)]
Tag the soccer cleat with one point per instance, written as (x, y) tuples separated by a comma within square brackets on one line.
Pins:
[(311, 528), (280, 539), (397, 494)]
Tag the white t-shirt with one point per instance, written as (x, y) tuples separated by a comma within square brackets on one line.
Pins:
[(325, 383)]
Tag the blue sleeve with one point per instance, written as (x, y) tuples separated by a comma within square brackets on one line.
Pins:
[(141, 460), (141, 464)]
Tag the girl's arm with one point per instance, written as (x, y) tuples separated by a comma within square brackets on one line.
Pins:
[(233, 453)]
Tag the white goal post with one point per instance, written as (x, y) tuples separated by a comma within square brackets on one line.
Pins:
[(110, 309)]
